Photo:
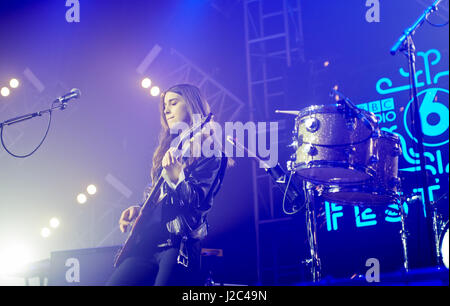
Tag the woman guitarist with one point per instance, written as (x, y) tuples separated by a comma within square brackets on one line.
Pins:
[(167, 252)]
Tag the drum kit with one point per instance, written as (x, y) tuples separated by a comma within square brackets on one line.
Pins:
[(352, 163), (343, 156)]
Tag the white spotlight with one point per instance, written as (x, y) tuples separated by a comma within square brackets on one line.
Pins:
[(14, 83), (5, 91), (54, 222), (155, 91), (91, 189), (45, 232), (14, 258), (444, 249), (146, 83), (81, 198)]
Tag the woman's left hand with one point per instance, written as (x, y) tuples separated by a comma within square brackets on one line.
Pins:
[(172, 165)]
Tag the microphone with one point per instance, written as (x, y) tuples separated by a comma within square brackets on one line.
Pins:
[(73, 94), (353, 108)]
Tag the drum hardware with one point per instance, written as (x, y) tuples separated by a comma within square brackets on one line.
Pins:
[(376, 134), (349, 150), (310, 150), (404, 232), (312, 125), (292, 157), (311, 229), (350, 124), (352, 111), (404, 237), (293, 145), (440, 229), (373, 160), (397, 151), (395, 182)]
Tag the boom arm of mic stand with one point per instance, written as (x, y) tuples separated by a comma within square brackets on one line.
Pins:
[(410, 31), (32, 115), (277, 173)]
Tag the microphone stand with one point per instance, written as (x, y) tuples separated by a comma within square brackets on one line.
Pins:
[(406, 44), (32, 115)]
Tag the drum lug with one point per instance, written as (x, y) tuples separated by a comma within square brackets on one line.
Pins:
[(349, 150), (350, 124), (395, 182), (312, 125), (376, 134), (310, 150), (397, 151), (374, 160), (290, 165)]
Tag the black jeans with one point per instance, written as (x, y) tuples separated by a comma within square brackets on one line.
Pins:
[(158, 269)]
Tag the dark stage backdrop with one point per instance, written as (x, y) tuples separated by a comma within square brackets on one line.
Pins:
[(108, 136)]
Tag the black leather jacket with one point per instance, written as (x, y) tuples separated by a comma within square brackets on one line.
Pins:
[(184, 209)]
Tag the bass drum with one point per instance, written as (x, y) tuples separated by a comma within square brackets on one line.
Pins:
[(443, 245), (383, 187), (333, 147)]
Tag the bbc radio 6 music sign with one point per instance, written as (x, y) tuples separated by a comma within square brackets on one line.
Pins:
[(383, 109)]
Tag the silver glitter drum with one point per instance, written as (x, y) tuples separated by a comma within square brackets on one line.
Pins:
[(332, 146), (383, 187)]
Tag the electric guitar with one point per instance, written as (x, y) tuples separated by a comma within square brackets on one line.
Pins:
[(152, 198)]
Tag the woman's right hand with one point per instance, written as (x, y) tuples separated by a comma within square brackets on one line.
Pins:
[(128, 215)]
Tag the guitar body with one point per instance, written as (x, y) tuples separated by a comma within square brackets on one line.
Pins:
[(137, 228)]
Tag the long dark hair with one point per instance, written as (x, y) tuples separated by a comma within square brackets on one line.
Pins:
[(196, 104)]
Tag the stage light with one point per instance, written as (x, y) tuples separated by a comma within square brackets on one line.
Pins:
[(13, 259), (81, 198), (326, 64), (14, 83), (444, 249), (155, 91), (336, 87), (146, 83), (54, 222), (91, 189), (45, 232), (5, 91)]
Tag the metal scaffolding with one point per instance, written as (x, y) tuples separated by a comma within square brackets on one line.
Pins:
[(227, 106), (274, 42)]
